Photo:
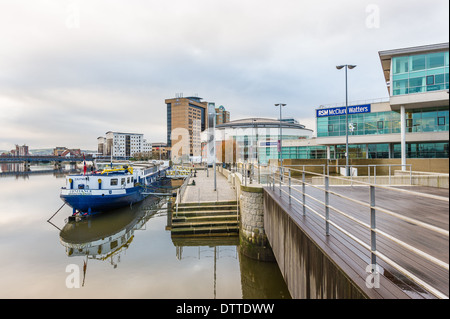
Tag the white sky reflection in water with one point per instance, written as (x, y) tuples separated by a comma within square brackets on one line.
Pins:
[(34, 261)]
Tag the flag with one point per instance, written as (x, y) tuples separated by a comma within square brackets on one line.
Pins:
[(84, 160)]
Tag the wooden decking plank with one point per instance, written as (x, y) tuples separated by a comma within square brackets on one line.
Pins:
[(409, 261), (343, 243), (344, 259), (358, 261), (433, 274)]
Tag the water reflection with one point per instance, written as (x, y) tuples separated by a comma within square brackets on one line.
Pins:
[(259, 280), (105, 236), (21, 170), (127, 253)]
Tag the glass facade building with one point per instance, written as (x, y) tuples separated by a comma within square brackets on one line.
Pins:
[(413, 122), (256, 140), (419, 73), (292, 152), (419, 120), (433, 119)]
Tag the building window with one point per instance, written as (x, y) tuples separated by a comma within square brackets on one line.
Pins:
[(441, 120), (330, 128), (380, 125), (420, 73)]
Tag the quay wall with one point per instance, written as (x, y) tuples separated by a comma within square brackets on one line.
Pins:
[(253, 239)]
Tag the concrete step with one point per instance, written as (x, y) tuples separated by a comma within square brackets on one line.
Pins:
[(206, 218), (207, 223), (203, 213), (212, 230), (208, 208), (230, 202), (197, 218)]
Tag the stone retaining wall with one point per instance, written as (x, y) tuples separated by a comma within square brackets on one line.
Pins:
[(253, 241)]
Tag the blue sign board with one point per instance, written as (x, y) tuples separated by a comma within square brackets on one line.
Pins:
[(355, 109), (268, 144)]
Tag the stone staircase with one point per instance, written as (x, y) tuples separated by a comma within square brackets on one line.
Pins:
[(206, 219)]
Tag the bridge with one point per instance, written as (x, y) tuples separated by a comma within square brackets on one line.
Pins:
[(44, 158), (357, 241)]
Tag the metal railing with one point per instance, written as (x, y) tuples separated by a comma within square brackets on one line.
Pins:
[(180, 192), (373, 168), (285, 179)]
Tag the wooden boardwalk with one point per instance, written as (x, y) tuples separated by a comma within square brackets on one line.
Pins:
[(354, 257)]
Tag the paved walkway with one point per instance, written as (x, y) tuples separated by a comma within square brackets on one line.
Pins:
[(424, 239), (203, 191)]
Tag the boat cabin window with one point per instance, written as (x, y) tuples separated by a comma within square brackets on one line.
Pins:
[(114, 181), (128, 181), (122, 182)]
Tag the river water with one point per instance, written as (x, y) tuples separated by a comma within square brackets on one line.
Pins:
[(123, 254)]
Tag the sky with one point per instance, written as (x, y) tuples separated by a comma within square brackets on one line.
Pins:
[(71, 70)]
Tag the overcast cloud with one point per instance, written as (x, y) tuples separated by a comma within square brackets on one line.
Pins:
[(71, 70)]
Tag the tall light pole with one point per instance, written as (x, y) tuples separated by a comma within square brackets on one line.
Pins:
[(257, 154), (347, 66), (280, 144)]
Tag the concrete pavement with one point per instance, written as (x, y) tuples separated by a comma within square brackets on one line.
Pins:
[(203, 190)]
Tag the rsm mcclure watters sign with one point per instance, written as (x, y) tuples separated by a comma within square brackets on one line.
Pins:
[(341, 110)]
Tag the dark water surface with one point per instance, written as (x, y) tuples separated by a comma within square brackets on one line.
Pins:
[(131, 254)]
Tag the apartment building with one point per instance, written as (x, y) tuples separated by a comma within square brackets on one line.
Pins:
[(121, 144)]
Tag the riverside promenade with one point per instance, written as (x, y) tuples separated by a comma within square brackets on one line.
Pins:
[(203, 190)]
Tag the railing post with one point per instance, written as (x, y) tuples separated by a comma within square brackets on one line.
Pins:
[(327, 210), (373, 235), (245, 174), (389, 174), (410, 174), (281, 172), (351, 175), (303, 192), (289, 170), (375, 174), (273, 181), (177, 201)]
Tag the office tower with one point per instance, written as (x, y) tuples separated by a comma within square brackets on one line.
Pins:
[(222, 115), (188, 113)]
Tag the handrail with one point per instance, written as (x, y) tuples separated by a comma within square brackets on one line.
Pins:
[(180, 192), (279, 177)]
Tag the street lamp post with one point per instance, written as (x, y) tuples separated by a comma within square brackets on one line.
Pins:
[(280, 144), (347, 66)]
